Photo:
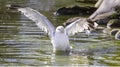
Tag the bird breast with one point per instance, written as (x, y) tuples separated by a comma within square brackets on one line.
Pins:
[(60, 41)]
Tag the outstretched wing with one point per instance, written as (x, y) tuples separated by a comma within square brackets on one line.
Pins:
[(42, 22), (79, 25)]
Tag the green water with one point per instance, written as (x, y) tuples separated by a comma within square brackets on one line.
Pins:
[(23, 44)]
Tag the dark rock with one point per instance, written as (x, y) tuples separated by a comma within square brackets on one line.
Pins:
[(107, 19), (117, 9), (103, 21), (86, 1), (114, 23), (76, 10), (114, 31), (117, 35), (114, 16)]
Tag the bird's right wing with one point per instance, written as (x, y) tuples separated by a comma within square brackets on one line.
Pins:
[(42, 22)]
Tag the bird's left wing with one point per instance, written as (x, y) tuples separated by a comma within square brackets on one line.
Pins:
[(79, 25), (42, 22)]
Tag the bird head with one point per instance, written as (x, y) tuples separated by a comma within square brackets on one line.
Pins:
[(60, 29)]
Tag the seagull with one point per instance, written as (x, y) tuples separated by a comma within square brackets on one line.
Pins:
[(59, 35)]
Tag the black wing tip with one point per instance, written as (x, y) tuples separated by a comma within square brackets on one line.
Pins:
[(91, 24), (13, 6)]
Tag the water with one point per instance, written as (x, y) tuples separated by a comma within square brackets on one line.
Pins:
[(23, 44)]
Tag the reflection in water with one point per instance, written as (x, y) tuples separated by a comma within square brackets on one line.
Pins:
[(73, 60), (23, 44)]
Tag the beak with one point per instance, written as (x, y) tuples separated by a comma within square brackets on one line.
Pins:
[(62, 31)]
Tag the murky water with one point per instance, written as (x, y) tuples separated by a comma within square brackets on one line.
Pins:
[(23, 44)]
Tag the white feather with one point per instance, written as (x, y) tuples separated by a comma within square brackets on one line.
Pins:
[(77, 26), (41, 21)]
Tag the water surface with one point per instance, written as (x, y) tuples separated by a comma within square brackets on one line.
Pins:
[(22, 43)]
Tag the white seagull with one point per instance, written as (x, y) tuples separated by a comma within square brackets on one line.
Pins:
[(60, 35)]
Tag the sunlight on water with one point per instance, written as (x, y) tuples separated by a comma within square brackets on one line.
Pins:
[(23, 44)]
